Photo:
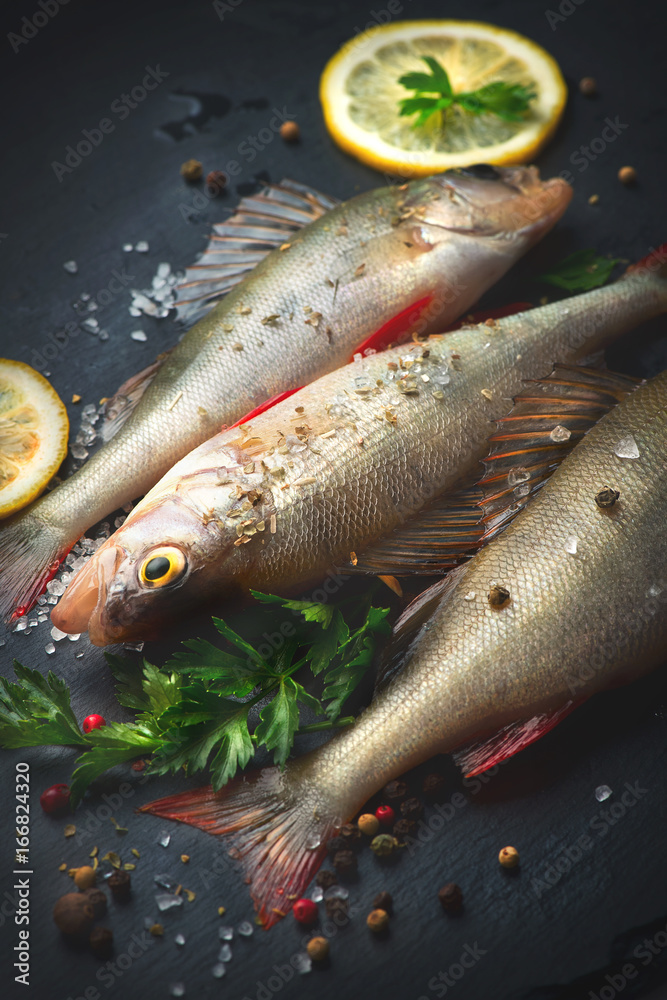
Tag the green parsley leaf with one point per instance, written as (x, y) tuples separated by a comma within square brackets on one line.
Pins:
[(36, 711), (279, 721), (433, 94), (581, 271), (114, 744), (232, 675)]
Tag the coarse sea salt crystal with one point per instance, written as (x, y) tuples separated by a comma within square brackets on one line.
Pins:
[(626, 447), (57, 634), (49, 649), (560, 434), (167, 901), (602, 793), (246, 929), (226, 933), (571, 543), (218, 970), (302, 963), (138, 335), (225, 953), (177, 989), (164, 839), (141, 246), (71, 266)]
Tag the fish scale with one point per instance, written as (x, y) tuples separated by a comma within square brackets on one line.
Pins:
[(325, 495)]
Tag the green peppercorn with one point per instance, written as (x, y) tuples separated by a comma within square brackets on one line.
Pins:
[(383, 845)]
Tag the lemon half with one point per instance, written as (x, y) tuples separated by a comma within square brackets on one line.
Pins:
[(33, 434), (360, 95)]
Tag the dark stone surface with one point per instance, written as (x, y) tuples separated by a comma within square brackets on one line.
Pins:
[(535, 941)]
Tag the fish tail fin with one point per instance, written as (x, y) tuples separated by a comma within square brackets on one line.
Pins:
[(31, 551), (274, 827)]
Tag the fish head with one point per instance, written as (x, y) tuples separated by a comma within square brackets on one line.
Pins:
[(509, 206), (160, 563)]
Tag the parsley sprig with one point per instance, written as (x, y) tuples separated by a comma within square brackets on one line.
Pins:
[(434, 93), (581, 271), (195, 711)]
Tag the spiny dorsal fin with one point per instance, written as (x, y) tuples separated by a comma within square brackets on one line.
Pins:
[(123, 403), (408, 627), (548, 418), (480, 755), (262, 222)]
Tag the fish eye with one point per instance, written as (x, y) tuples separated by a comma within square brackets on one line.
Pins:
[(163, 566)]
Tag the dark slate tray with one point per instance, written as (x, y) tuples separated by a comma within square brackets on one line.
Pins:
[(584, 936)]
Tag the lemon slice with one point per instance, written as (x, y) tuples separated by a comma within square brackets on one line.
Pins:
[(360, 95), (33, 434)]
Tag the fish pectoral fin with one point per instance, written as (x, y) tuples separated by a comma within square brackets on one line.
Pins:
[(432, 541), (549, 417), (261, 223), (120, 407), (480, 755), (408, 628)]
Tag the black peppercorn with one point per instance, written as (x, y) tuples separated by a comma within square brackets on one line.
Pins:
[(97, 900), (120, 884), (345, 862), (498, 596), (606, 497), (325, 879), (336, 910), (351, 835), (404, 828), (412, 808), (336, 844), (451, 897), (383, 901), (101, 942), (395, 790), (433, 784)]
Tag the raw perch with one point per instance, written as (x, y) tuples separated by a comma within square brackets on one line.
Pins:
[(584, 609), (354, 456)]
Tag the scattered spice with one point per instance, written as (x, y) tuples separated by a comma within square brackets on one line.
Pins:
[(588, 86), (383, 845), (345, 862), (498, 596), (353, 558), (305, 911), (594, 199), (216, 181), (120, 884), (368, 824), (73, 914), (222, 910), (69, 830), (138, 765), (377, 921), (325, 878), (385, 815), (191, 170), (97, 900), (487, 393), (360, 270), (76, 398), (395, 790), (157, 930), (116, 825), (509, 857), (412, 808), (606, 497), (451, 897), (185, 858), (627, 175), (135, 852), (290, 132), (383, 901), (101, 942), (318, 949), (62, 867), (113, 858), (85, 877)]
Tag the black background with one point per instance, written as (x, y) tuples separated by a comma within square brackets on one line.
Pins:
[(539, 944)]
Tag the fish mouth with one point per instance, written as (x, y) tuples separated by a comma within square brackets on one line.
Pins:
[(85, 606)]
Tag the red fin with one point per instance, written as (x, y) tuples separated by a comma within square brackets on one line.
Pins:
[(397, 328), (31, 550), (263, 407), (498, 313), (271, 823), (653, 261), (480, 755)]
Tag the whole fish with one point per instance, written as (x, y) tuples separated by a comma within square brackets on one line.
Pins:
[(274, 503), (366, 271), (583, 589)]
